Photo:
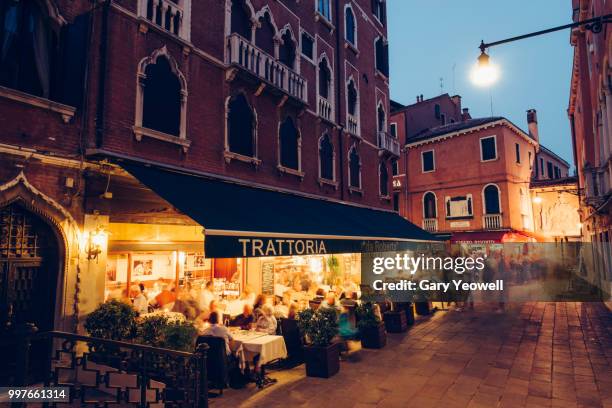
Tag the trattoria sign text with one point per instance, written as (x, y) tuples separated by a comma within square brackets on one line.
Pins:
[(281, 247)]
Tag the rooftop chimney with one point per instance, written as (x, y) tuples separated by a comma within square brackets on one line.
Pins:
[(457, 101), (532, 122), (465, 114)]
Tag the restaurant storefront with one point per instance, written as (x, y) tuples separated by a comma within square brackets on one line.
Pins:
[(254, 241)]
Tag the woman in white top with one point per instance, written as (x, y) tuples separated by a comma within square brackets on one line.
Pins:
[(141, 304), (266, 322)]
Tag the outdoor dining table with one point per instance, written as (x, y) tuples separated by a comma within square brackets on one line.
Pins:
[(248, 344)]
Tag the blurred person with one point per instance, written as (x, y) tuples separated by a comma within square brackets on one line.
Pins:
[(293, 311), (248, 295), (330, 302), (216, 329), (206, 295), (281, 309), (141, 304), (260, 300), (245, 319), (266, 322), (166, 297)]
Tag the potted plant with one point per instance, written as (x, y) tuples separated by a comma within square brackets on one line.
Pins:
[(395, 321), (150, 330), (159, 331), (321, 355), (179, 335), (112, 320), (371, 328), (408, 309)]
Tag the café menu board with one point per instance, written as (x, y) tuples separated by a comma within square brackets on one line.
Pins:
[(267, 278)]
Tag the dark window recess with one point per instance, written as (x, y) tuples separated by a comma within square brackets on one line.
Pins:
[(350, 25), (286, 51), (289, 155), (324, 79), (394, 167), (264, 37), (324, 8), (396, 201), (28, 49), (379, 10), (241, 19), (326, 158), (352, 98), (428, 161), (549, 168), (162, 98), (75, 43), (354, 169), (437, 112), (241, 126), (542, 167), (429, 206), (307, 46), (382, 56), (487, 146), (517, 149), (491, 196), (382, 118), (393, 130), (529, 158), (384, 179)]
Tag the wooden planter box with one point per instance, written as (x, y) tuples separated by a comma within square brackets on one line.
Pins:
[(322, 362), (374, 337), (395, 322), (422, 308), (408, 309)]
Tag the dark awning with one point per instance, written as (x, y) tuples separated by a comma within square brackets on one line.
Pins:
[(246, 221)]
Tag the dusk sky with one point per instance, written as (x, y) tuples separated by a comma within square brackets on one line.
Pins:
[(428, 38)]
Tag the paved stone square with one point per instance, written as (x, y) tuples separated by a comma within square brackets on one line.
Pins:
[(532, 355)]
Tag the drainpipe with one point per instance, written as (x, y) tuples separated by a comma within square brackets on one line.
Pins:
[(102, 75), (338, 100)]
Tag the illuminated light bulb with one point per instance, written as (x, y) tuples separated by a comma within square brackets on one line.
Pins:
[(484, 73)]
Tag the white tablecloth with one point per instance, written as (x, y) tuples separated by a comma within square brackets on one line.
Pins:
[(249, 344)]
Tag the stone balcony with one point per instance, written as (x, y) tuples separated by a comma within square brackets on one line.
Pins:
[(388, 144), (430, 224), (492, 221), (244, 56)]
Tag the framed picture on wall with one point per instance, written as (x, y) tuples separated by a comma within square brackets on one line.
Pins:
[(142, 267)]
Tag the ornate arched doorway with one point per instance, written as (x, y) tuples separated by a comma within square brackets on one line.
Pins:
[(29, 266)]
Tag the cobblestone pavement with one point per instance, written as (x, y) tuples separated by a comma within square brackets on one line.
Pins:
[(533, 355)]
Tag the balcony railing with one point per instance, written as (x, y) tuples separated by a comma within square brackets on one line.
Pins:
[(492, 221), (324, 108), (167, 14), (353, 125), (388, 143), (430, 224), (259, 63)]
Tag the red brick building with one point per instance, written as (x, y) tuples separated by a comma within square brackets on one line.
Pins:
[(464, 177), (590, 115), (284, 96)]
